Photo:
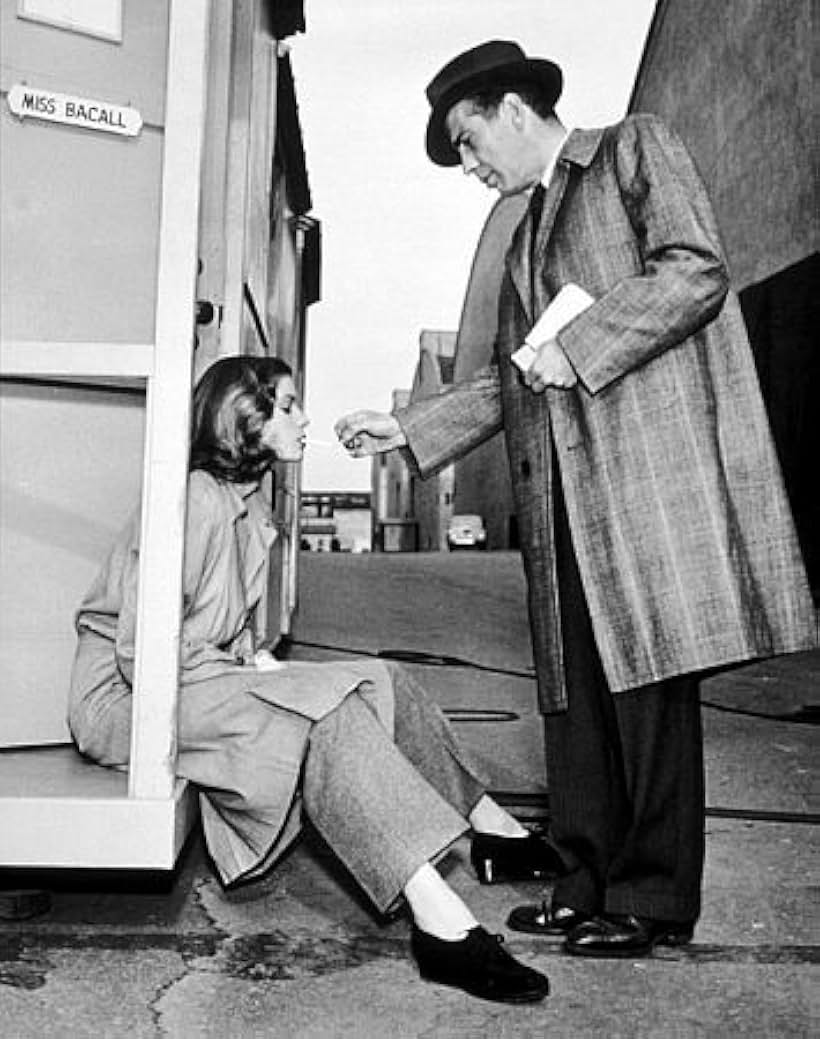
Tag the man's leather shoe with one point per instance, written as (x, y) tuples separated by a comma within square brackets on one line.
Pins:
[(546, 919), (497, 859), (478, 965), (625, 936)]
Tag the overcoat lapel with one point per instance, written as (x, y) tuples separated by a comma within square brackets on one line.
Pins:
[(579, 149), (521, 252)]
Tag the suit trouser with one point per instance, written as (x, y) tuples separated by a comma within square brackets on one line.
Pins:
[(386, 805), (625, 776)]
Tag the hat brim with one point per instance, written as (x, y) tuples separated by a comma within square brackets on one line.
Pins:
[(538, 71)]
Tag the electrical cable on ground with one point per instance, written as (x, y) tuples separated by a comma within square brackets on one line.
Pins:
[(413, 656), (539, 801), (808, 714)]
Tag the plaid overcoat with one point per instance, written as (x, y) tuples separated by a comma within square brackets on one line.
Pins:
[(683, 534)]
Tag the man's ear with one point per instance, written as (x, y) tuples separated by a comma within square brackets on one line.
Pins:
[(515, 108)]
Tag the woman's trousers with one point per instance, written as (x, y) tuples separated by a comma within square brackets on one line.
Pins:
[(386, 805)]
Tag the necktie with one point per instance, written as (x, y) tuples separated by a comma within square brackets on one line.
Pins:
[(535, 210)]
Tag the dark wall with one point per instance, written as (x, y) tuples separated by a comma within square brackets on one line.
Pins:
[(735, 79), (783, 315)]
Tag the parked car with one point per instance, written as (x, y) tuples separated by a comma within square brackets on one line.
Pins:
[(466, 531)]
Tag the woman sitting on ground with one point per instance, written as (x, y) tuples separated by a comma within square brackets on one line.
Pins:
[(357, 746)]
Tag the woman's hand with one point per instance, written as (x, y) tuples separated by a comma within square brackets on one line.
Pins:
[(369, 433), (264, 660)]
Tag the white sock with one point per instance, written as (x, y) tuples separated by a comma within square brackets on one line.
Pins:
[(436, 908), (489, 817)]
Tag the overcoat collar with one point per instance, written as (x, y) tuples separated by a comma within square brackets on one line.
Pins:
[(238, 495), (578, 150), (245, 502)]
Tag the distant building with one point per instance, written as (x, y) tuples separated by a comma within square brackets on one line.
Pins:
[(742, 98), (335, 521), (411, 514), (433, 498), (394, 524)]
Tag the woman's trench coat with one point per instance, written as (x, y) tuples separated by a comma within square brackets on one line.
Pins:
[(242, 732), (679, 519)]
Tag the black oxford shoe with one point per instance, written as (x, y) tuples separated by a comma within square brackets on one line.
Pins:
[(625, 936), (546, 919), (497, 859), (478, 965)]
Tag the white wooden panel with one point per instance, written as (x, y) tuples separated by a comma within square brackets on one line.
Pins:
[(101, 18), (153, 746), (58, 809), (53, 359), (96, 833), (78, 232), (70, 473), (130, 72), (58, 771), (236, 199), (261, 144), (211, 281)]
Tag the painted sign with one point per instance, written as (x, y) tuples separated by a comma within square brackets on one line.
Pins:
[(101, 18), (25, 101)]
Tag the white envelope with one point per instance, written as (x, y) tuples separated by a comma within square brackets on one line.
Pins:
[(567, 303)]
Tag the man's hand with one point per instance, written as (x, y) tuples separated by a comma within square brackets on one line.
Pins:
[(369, 433), (550, 368)]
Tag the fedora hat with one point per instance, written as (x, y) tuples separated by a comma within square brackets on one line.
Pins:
[(489, 64)]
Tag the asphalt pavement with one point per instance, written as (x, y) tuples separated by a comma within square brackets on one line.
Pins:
[(300, 954)]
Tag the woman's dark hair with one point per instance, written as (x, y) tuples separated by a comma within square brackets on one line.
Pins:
[(232, 402)]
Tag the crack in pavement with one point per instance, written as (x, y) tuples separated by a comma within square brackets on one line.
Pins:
[(161, 992), (197, 893)]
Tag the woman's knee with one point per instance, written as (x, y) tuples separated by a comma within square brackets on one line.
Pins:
[(342, 748), (336, 722)]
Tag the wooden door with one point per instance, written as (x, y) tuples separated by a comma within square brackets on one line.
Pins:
[(249, 245)]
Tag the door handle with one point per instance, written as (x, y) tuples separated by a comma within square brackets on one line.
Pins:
[(205, 311)]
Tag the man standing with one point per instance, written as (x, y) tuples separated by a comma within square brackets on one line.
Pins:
[(656, 537)]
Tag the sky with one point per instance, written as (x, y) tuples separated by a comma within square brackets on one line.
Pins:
[(398, 233)]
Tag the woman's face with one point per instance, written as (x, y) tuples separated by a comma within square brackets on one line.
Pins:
[(284, 432)]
